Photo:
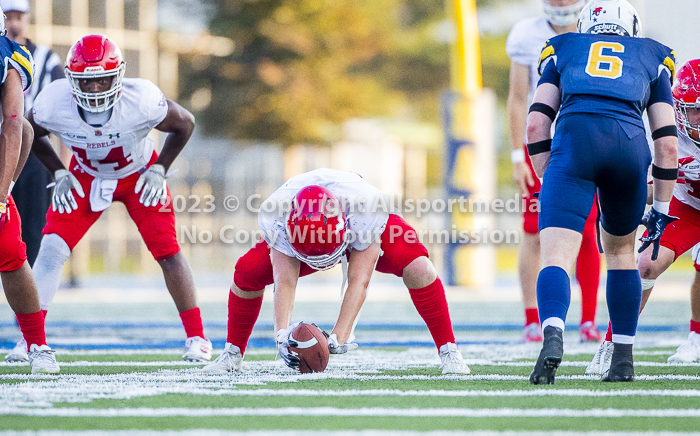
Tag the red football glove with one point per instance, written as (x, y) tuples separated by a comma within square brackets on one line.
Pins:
[(4, 216)]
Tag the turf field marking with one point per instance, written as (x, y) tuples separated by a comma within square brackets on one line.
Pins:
[(412, 412)]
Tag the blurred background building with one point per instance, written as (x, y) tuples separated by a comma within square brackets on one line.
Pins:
[(280, 87)]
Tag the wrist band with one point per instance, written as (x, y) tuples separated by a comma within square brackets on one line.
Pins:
[(664, 131), (517, 156), (539, 147), (661, 206), (544, 109), (664, 173)]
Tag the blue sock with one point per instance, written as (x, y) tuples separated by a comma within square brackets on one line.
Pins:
[(553, 293), (624, 294)]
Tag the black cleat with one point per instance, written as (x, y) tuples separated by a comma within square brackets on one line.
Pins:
[(550, 357), (621, 365)]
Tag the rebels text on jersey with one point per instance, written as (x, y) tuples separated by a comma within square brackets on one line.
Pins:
[(365, 207), (608, 75), (118, 148)]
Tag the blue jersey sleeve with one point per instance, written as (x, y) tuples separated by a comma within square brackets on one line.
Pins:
[(660, 90), (550, 75)]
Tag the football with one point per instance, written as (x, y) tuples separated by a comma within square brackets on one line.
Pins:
[(312, 349)]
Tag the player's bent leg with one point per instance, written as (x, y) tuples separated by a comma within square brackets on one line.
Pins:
[(53, 253), (689, 351), (21, 293), (428, 296), (528, 269)]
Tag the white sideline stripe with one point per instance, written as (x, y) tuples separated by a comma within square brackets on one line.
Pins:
[(412, 412), (169, 363), (451, 393), (212, 432)]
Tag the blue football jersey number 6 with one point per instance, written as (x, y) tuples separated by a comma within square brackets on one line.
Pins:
[(604, 66)]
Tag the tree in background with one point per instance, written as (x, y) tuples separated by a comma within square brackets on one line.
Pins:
[(302, 67)]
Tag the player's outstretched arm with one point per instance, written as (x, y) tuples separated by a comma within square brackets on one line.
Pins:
[(27, 139), (518, 93), (359, 274), (11, 133), (545, 105), (179, 123), (285, 272)]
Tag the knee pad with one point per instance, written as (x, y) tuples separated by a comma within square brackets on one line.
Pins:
[(648, 284), (54, 249)]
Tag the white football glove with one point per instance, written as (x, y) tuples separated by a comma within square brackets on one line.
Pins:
[(153, 183), (62, 198), (335, 348), (284, 342)]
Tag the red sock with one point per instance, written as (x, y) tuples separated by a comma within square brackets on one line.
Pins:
[(695, 326), (608, 334), (242, 314), (32, 326), (192, 321), (531, 315), (588, 271), (431, 304)]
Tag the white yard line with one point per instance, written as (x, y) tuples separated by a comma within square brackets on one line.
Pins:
[(145, 412), (216, 432)]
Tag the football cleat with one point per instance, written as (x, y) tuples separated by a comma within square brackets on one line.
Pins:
[(621, 365), (550, 357), (452, 361), (688, 352), (229, 361), (589, 332), (43, 360), (532, 333), (601, 359), (18, 353), (197, 350)]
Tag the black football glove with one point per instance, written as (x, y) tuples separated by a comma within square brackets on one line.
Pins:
[(655, 222)]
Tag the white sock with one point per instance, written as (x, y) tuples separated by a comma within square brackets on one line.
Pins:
[(48, 267)]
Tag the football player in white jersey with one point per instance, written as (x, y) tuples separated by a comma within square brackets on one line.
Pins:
[(313, 222), (683, 234), (523, 46), (105, 120)]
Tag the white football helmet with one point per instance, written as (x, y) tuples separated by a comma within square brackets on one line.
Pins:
[(616, 17), (562, 15)]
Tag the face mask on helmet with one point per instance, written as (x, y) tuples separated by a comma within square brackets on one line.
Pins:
[(686, 100), (95, 57), (316, 227), (610, 17), (562, 15)]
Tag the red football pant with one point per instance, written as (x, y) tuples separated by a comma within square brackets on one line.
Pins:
[(13, 251), (156, 224)]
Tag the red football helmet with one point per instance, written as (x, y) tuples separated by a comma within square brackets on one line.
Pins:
[(686, 95), (316, 227), (95, 56)]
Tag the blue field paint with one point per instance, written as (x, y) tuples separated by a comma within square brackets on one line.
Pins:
[(360, 327)]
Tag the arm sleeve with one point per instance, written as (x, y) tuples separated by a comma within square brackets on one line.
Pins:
[(660, 90), (550, 75)]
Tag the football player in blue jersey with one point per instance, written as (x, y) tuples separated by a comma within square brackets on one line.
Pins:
[(16, 69), (600, 81)]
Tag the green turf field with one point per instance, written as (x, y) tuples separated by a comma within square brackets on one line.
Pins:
[(382, 389)]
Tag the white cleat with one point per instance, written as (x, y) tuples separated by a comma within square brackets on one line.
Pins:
[(229, 361), (43, 360), (601, 360), (452, 361), (197, 350), (18, 354), (689, 351)]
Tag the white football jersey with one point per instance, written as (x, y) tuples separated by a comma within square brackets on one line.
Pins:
[(524, 45), (118, 148), (689, 155), (365, 207)]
